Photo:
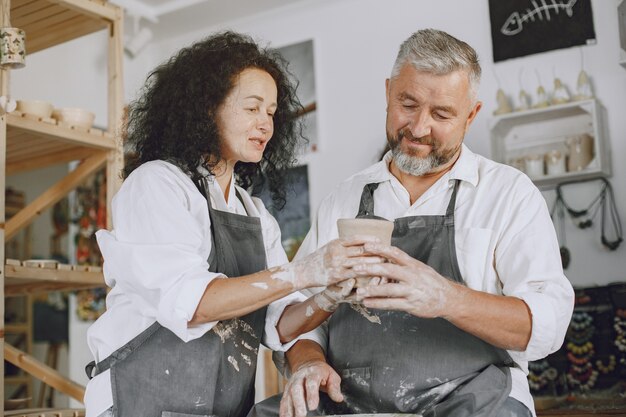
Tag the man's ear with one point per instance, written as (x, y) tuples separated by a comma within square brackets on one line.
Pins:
[(473, 113)]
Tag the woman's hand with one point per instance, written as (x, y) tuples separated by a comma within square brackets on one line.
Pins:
[(330, 298), (330, 264)]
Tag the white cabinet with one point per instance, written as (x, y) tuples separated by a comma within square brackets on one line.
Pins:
[(525, 139)]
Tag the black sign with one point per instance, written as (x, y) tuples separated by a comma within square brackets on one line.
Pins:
[(525, 27)]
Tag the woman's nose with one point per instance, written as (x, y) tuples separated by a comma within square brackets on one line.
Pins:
[(265, 123)]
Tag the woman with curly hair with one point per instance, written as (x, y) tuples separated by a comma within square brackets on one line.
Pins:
[(197, 272)]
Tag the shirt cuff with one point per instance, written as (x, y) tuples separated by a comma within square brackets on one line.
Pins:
[(544, 327), (278, 356), (176, 318), (274, 313)]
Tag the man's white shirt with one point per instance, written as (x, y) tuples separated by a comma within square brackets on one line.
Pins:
[(505, 241)]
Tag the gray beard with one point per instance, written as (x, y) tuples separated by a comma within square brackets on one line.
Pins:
[(414, 165)]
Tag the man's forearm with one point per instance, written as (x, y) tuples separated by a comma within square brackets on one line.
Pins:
[(505, 322), (304, 351)]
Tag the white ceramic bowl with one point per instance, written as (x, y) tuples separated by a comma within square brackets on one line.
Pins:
[(37, 108), (74, 117)]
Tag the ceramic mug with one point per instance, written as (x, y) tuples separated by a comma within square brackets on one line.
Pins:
[(580, 152), (12, 48), (349, 228), (555, 162)]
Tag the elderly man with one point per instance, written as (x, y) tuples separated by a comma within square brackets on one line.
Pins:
[(475, 285)]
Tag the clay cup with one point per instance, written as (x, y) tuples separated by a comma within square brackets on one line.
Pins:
[(349, 228)]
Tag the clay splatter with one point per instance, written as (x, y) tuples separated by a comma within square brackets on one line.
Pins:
[(261, 285), (309, 311), (246, 359), (234, 363), (365, 313), (225, 330), (247, 346)]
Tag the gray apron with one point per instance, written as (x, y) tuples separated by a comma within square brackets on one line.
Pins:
[(394, 362), (158, 375)]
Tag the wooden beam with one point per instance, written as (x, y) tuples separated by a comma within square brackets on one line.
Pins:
[(5, 7), (43, 372), (51, 158), (115, 107), (54, 194), (97, 10), (15, 290)]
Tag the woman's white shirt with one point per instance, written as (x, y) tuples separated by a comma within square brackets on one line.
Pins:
[(155, 261)]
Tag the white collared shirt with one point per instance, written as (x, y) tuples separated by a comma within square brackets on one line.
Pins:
[(156, 263), (504, 237)]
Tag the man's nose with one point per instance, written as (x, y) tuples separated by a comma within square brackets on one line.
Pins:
[(421, 125)]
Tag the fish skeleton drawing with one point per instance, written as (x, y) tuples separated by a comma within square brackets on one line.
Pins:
[(515, 22)]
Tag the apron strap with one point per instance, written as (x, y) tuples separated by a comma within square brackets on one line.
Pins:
[(203, 186), (366, 207), (121, 353), (452, 204)]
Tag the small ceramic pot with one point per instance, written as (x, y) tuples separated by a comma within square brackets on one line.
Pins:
[(534, 166), (12, 48), (555, 162), (580, 152)]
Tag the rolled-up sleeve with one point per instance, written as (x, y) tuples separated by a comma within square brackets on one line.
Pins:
[(529, 266)]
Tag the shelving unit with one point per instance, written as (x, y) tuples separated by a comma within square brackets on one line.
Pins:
[(28, 143), (538, 131)]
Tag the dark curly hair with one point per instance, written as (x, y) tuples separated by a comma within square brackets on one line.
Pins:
[(175, 117)]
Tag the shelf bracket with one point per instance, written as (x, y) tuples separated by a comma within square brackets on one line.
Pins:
[(55, 193), (43, 372)]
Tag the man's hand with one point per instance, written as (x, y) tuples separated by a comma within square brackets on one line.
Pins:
[(415, 287), (302, 389)]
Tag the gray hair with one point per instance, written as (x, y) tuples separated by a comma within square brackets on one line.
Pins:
[(439, 53)]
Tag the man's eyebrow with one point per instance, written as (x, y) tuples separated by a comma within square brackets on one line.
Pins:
[(406, 96), (447, 109)]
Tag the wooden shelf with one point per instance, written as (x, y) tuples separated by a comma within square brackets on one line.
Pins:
[(17, 328), (26, 280), (44, 412), (51, 22), (17, 380), (35, 144)]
